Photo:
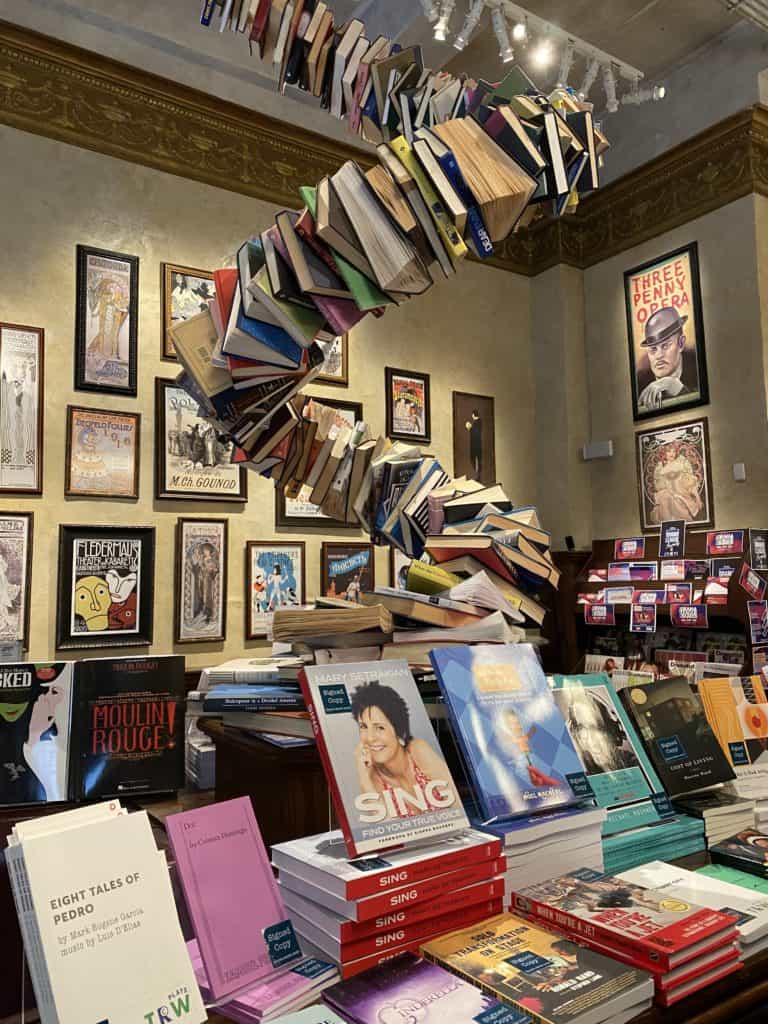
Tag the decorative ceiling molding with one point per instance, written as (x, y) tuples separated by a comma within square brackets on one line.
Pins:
[(51, 88)]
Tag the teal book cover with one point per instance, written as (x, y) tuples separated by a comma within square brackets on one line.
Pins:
[(618, 770)]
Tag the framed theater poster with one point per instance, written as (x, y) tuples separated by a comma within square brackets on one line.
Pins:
[(407, 405), (15, 576), (675, 476), (346, 570), (21, 409), (336, 362), (191, 460), (106, 321), (201, 580), (474, 437), (275, 577), (105, 590), (668, 366), (186, 292), (102, 458)]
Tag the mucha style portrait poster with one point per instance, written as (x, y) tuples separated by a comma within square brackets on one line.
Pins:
[(275, 579), (201, 580), (106, 321), (106, 586), (347, 570), (192, 461), (186, 292), (666, 334), (474, 443), (336, 363), (21, 409), (15, 576), (407, 405), (674, 475), (102, 453)]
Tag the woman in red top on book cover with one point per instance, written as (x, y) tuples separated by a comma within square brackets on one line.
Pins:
[(390, 761)]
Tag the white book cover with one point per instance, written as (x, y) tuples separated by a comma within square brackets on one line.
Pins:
[(751, 908), (108, 926)]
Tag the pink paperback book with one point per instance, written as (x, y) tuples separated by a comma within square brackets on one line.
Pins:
[(235, 906)]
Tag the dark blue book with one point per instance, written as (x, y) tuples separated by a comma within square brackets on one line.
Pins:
[(256, 339)]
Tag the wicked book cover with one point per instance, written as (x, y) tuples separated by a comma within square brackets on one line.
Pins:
[(128, 727)]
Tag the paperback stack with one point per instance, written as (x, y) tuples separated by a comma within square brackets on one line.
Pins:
[(95, 907), (692, 887), (533, 970), (684, 946), (722, 873), (358, 912), (674, 837), (723, 813), (199, 759), (745, 851)]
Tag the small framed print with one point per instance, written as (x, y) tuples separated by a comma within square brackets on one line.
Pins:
[(191, 460), (106, 586), (675, 475), (201, 580), (15, 576), (275, 577), (336, 363), (474, 440), (102, 458), (106, 321), (186, 292), (347, 570), (21, 409), (407, 398)]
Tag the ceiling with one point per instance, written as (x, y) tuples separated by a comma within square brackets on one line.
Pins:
[(651, 35)]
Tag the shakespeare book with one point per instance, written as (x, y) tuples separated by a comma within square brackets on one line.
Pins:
[(511, 733), (128, 726), (389, 782)]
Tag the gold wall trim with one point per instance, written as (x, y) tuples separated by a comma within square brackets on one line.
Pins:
[(51, 88)]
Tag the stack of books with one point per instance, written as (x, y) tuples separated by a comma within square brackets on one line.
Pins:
[(717, 894), (685, 947), (723, 813), (95, 906), (532, 970), (358, 912), (746, 851), (674, 837), (199, 759)]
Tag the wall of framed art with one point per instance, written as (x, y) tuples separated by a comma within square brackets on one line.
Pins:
[(88, 468)]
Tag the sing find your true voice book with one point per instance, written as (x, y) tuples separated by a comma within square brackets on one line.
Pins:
[(388, 779)]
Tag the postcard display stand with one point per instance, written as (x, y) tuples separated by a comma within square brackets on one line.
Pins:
[(729, 617)]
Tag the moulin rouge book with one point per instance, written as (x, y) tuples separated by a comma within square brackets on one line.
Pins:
[(128, 726)]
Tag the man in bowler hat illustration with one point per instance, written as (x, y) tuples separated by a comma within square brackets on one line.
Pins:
[(670, 370)]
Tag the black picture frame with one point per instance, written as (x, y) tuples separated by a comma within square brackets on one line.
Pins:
[(676, 291), (691, 439), (220, 526), (391, 374), (104, 611), (21, 524), (85, 303)]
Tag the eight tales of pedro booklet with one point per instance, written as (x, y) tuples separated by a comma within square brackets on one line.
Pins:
[(389, 781), (232, 896)]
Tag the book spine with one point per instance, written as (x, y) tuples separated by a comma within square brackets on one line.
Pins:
[(480, 237), (206, 14), (254, 705), (349, 970), (447, 965), (338, 801), (30, 931)]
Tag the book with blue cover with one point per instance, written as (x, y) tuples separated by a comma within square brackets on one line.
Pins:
[(517, 749), (618, 770), (261, 697)]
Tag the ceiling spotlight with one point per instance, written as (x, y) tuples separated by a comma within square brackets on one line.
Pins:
[(609, 84), (430, 10), (589, 78), (542, 55), (520, 31), (441, 25), (566, 63), (470, 23), (638, 95), (659, 92), (499, 23)]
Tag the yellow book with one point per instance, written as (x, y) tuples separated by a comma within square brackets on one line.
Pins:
[(454, 243), (430, 579)]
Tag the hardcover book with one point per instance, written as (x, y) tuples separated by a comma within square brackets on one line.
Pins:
[(231, 894), (535, 970), (511, 733), (35, 705), (128, 726), (677, 736), (658, 932), (407, 987), (618, 770), (746, 851), (388, 779)]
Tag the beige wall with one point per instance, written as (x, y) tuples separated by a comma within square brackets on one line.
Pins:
[(471, 334), (730, 240)]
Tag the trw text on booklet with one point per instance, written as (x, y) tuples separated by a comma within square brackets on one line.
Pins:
[(233, 900), (35, 732), (677, 736), (389, 782), (99, 922), (128, 726), (510, 731)]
